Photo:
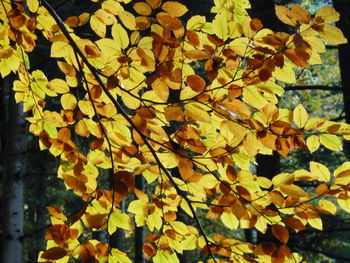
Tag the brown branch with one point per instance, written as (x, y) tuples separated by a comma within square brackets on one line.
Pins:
[(327, 254), (314, 87)]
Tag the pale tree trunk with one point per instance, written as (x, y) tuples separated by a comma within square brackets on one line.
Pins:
[(13, 181)]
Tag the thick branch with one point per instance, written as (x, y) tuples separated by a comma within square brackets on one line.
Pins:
[(314, 87), (327, 254)]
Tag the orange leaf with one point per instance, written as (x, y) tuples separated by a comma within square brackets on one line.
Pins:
[(56, 212), (281, 233), (174, 8), (285, 15), (142, 8)]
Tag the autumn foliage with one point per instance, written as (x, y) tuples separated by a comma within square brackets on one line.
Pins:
[(187, 106)]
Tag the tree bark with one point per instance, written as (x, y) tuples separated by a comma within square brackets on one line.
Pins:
[(13, 181), (139, 231), (268, 165), (343, 7)]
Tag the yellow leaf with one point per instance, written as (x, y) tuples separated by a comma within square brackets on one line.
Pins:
[(220, 25), (58, 86), (112, 7), (136, 207), (300, 116), (105, 17), (174, 8), (320, 172), (168, 159), (97, 26), (179, 227), (128, 20), (328, 14), (285, 74), (185, 206), (285, 15), (332, 35), (33, 5), (293, 190), (331, 142), (117, 256), (68, 101), (253, 97), (283, 178), (328, 206), (86, 108), (195, 22), (118, 219), (315, 222), (120, 35), (59, 49), (164, 256), (229, 220), (345, 204), (130, 101), (196, 112), (313, 143)]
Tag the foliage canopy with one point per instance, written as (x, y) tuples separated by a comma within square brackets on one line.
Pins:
[(187, 106)]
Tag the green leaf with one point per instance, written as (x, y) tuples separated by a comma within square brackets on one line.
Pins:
[(51, 130)]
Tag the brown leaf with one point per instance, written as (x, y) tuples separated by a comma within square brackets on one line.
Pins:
[(193, 38), (149, 250), (196, 54), (196, 83), (72, 21), (231, 173), (255, 24), (92, 51), (169, 22), (281, 233), (265, 74), (154, 3), (301, 14), (54, 253)]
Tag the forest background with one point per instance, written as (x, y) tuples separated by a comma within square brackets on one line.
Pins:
[(324, 91)]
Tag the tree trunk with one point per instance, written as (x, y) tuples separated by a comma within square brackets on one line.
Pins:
[(268, 165), (343, 7), (139, 231), (13, 181)]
